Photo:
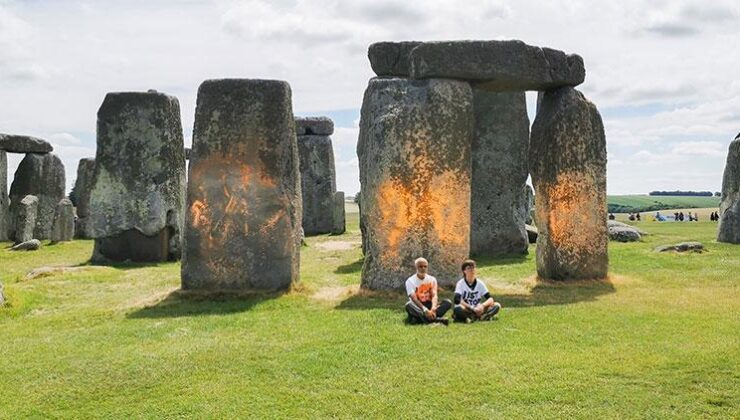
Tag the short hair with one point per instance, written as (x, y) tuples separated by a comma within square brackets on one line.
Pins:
[(467, 263), (420, 259)]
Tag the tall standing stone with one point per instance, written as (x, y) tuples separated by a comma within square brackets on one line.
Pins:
[(138, 186), (25, 218), (63, 228), (82, 188), (243, 220), (338, 218), (729, 208), (4, 203), (41, 175), (318, 182), (414, 152), (499, 163), (567, 157)]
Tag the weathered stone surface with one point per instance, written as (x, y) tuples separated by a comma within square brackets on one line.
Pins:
[(338, 219), (318, 183), (529, 193), (83, 187), (243, 218), (391, 58), (414, 153), (43, 177), (567, 155), (25, 218), (498, 202), (497, 65), (682, 247), (31, 245), (307, 126), (729, 208), (4, 201), (14, 143), (623, 234), (532, 233), (139, 176), (63, 228)]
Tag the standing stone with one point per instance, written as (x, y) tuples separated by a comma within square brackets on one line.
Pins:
[(63, 228), (4, 202), (414, 153), (243, 222), (41, 175), (25, 218), (83, 186), (338, 219), (567, 158), (530, 205), (499, 163), (729, 208), (318, 183), (138, 188)]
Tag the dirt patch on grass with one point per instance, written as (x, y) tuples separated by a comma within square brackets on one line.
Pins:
[(335, 294), (337, 245)]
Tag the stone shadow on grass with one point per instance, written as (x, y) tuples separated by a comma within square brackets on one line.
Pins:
[(542, 293), (353, 267), (184, 303)]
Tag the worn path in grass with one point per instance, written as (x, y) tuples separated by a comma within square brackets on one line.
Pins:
[(660, 339)]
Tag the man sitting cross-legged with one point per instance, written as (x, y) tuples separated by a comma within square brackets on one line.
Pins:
[(423, 306), (472, 300)]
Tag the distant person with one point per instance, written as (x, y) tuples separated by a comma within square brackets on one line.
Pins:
[(611, 216), (691, 218), (675, 216), (680, 216), (637, 216), (631, 217), (696, 217), (473, 302), (423, 305)]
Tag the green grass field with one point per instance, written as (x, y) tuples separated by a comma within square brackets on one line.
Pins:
[(659, 339), (644, 203)]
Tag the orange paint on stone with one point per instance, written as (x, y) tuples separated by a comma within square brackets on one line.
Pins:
[(571, 218)]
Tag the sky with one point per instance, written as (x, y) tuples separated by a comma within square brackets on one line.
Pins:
[(662, 73)]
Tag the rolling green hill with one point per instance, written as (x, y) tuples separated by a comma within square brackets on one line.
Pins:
[(643, 203)]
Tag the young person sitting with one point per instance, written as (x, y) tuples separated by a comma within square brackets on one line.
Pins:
[(473, 302)]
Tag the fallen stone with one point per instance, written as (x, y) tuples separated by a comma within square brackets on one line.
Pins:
[(623, 234), (42, 176), (338, 219), (729, 208), (414, 155), (567, 155), (243, 220), (51, 271), (138, 186), (25, 218), (31, 245), (63, 228), (14, 143), (682, 247), (498, 203), (391, 58), (308, 126), (497, 65), (532, 233), (4, 200), (614, 223), (529, 192), (318, 183), (83, 186)]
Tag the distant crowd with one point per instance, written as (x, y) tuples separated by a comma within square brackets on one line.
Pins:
[(678, 216)]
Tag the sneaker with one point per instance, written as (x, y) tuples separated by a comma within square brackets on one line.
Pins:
[(443, 321)]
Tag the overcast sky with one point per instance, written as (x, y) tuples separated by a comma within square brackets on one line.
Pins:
[(664, 74)]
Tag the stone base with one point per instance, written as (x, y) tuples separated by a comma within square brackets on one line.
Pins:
[(133, 245)]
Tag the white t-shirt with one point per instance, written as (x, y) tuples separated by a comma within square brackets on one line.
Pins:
[(421, 287), (471, 295)]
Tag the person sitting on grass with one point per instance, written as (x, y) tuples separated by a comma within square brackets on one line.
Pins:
[(472, 300), (423, 305)]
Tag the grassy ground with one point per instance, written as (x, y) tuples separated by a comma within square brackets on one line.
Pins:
[(643, 203), (659, 339)]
